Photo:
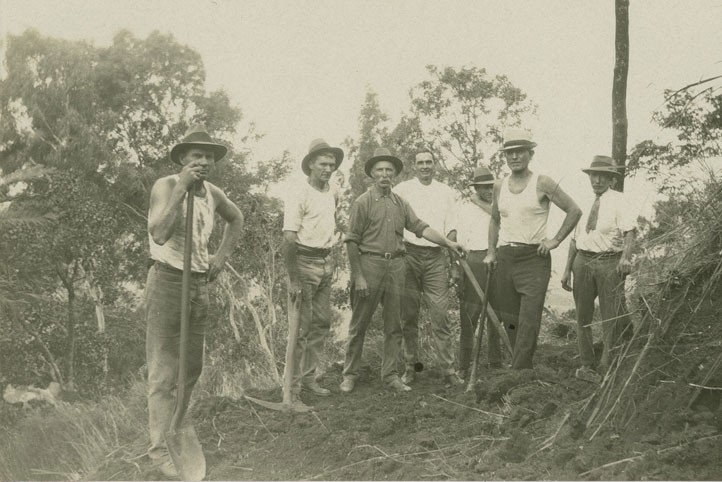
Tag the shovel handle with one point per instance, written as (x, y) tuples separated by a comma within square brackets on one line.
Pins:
[(180, 403), (294, 312), (495, 322), (479, 333)]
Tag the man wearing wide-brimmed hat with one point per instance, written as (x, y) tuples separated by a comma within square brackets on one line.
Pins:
[(309, 232), (599, 258), (472, 231), (196, 154), (374, 241), (519, 223), (427, 274)]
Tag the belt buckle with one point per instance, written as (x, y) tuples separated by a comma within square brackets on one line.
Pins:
[(387, 255)]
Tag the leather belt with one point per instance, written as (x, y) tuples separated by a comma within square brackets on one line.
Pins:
[(170, 269), (312, 252), (604, 254), (520, 245), (397, 254)]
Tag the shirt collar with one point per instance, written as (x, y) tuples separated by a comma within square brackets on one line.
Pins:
[(378, 195)]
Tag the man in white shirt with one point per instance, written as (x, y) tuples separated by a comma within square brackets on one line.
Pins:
[(472, 231), (426, 268), (309, 226), (599, 259)]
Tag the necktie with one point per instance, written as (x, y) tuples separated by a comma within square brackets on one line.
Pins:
[(593, 215)]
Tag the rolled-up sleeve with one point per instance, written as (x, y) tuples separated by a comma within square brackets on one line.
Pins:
[(626, 215), (356, 222), (412, 221)]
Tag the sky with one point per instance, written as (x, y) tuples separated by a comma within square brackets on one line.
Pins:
[(300, 69)]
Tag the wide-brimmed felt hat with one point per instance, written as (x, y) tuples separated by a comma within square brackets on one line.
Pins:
[(482, 176), (383, 154), (603, 164), (515, 138), (319, 146), (197, 136)]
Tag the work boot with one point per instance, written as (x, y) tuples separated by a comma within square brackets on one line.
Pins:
[(452, 380), (316, 389), (166, 466), (347, 385), (398, 386), (409, 376), (588, 375)]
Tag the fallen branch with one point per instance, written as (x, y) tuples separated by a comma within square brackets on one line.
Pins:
[(550, 440), (470, 408)]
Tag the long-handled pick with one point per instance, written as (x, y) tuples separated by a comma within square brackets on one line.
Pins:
[(479, 334), (183, 444), (489, 310)]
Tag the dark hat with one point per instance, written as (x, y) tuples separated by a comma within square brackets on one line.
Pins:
[(515, 138), (319, 146), (383, 154), (197, 136), (482, 176), (603, 164)]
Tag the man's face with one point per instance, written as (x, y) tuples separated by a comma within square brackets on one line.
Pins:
[(383, 172), (321, 167), (518, 159), (424, 166), (601, 181), (199, 156), (484, 191)]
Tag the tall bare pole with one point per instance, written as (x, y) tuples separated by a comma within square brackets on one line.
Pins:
[(619, 85)]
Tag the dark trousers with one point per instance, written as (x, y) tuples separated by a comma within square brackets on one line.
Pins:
[(470, 310), (385, 280), (597, 276), (522, 279)]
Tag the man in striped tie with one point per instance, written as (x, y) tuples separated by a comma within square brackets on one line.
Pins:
[(599, 259)]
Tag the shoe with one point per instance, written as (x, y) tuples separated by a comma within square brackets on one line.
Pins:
[(409, 376), (298, 403), (398, 386), (316, 389), (167, 467), (452, 380), (588, 375), (347, 385)]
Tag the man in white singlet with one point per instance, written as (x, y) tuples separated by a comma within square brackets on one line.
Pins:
[(196, 153), (519, 219)]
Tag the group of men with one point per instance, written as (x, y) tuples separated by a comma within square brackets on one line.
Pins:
[(403, 244)]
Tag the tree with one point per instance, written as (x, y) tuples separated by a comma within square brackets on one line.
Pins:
[(98, 122), (619, 85), (694, 114), (462, 113)]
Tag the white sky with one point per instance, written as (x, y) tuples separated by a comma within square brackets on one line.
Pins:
[(300, 69)]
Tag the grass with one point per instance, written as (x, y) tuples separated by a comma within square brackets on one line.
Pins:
[(71, 442)]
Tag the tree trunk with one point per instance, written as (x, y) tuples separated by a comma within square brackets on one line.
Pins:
[(619, 86)]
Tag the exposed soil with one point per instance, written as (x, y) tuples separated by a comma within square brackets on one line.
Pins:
[(520, 425)]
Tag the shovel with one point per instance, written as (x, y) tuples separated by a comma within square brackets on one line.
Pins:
[(490, 311), (183, 444), (479, 334)]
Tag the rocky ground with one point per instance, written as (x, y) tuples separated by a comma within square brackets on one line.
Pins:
[(521, 425)]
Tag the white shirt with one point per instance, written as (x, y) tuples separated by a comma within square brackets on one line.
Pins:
[(616, 216), (435, 204), (310, 213), (472, 226), (523, 218)]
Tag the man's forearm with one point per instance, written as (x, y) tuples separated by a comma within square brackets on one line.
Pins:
[(289, 258), (231, 234), (570, 222), (629, 239), (354, 259), (430, 234), (493, 235), (571, 255)]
